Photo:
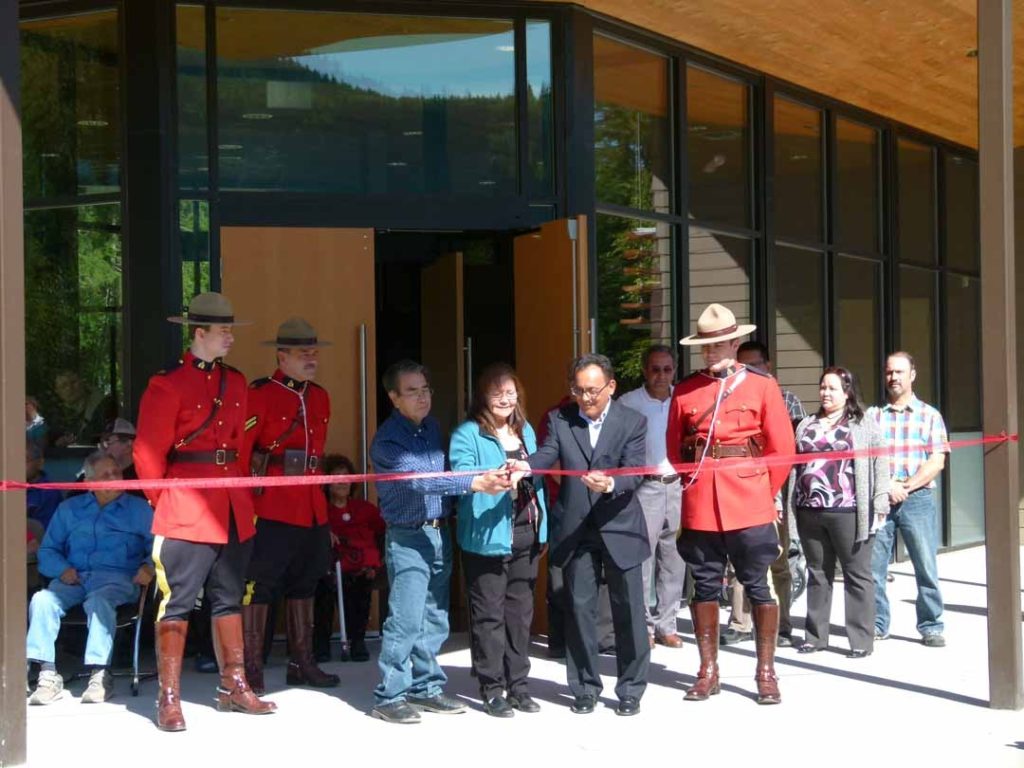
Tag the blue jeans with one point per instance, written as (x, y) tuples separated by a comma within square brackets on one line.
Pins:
[(916, 520), (419, 562), (99, 594)]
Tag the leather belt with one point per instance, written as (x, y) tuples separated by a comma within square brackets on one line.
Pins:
[(220, 457), (277, 460), (719, 451), (663, 479), (437, 522)]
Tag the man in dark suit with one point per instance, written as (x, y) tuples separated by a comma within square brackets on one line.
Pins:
[(597, 523)]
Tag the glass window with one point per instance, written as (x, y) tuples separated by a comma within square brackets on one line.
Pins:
[(719, 271), (193, 157), (194, 237), (634, 292), (963, 233), (718, 143), (963, 352), (71, 107), (966, 491), (916, 202), (858, 332), (366, 104), (73, 318), (799, 322), (857, 186), (799, 181), (917, 327), (540, 107), (632, 127)]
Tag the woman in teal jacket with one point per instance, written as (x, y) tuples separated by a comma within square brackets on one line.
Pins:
[(502, 537)]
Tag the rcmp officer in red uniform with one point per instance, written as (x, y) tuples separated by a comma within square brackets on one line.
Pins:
[(192, 425), (285, 431), (721, 414)]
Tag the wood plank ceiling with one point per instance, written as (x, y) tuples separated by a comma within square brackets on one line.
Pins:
[(910, 60)]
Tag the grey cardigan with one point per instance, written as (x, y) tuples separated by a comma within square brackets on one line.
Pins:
[(871, 474)]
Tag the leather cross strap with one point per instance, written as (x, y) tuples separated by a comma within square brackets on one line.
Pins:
[(218, 401), (296, 421)]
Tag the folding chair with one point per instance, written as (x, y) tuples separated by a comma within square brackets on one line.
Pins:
[(128, 615)]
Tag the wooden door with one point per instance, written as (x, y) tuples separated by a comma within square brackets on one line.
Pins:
[(327, 277), (552, 327), (442, 338)]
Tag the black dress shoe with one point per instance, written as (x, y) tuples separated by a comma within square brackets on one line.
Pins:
[(784, 641), (439, 705), (583, 705), (523, 702), (628, 705), (396, 712), (497, 706), (808, 648), (358, 651), (858, 653), (556, 651), (732, 636)]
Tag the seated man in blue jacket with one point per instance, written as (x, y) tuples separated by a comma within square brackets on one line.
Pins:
[(97, 553)]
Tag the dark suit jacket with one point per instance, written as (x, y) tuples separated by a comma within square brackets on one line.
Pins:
[(617, 515)]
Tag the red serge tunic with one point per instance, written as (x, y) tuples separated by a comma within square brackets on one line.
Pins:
[(175, 404), (274, 405), (728, 500), (358, 525)]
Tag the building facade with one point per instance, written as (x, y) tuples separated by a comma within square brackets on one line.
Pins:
[(465, 183)]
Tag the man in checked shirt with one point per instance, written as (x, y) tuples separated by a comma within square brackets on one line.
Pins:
[(418, 548), (917, 432)]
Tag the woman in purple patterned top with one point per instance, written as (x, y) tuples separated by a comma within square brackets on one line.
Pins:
[(833, 500)]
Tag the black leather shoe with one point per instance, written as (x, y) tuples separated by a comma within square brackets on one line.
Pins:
[(556, 651), (858, 653), (808, 648), (358, 651), (732, 636), (628, 705), (583, 705), (439, 705), (396, 712), (784, 641), (523, 702), (497, 706)]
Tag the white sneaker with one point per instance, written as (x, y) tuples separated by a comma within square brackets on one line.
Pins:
[(49, 688), (100, 688)]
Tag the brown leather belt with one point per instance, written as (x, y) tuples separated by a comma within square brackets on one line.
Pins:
[(719, 451), (219, 457)]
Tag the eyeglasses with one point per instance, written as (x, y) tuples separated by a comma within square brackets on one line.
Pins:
[(589, 394), (662, 369), (511, 397), (423, 393)]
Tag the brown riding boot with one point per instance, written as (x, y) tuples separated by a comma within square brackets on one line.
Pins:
[(254, 625), (705, 629), (234, 693), (302, 668), (170, 646), (766, 631)]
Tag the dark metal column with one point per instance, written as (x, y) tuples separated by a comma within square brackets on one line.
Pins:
[(152, 266), (12, 399), (999, 351)]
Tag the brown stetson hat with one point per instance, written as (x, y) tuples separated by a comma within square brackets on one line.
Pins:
[(208, 309), (295, 333), (717, 323)]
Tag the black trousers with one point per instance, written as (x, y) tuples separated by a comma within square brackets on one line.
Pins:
[(501, 612), (827, 537), (751, 550), (559, 607), (357, 592), (626, 593), (287, 560), (185, 567)]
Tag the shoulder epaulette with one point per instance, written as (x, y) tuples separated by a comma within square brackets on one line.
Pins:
[(171, 368), (232, 369), (758, 371), (257, 383), (690, 376), (313, 384)]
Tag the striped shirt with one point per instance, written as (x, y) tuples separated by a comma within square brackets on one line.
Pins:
[(916, 431), (401, 446)]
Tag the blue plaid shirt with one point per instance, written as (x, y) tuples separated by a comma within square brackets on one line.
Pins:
[(401, 446), (916, 431)]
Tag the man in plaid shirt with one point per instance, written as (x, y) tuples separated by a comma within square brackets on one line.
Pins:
[(917, 432)]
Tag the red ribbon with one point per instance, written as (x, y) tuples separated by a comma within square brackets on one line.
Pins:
[(710, 465)]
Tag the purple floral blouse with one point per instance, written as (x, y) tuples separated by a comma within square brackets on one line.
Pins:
[(825, 484)]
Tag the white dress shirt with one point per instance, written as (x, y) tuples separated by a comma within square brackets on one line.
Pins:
[(594, 427), (656, 412)]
